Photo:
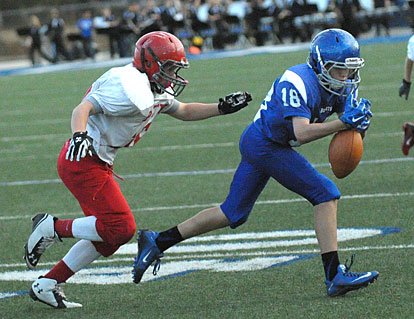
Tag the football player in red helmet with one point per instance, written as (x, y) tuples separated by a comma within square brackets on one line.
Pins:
[(116, 112), (404, 91), (160, 55)]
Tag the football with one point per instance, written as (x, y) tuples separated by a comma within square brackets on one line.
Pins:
[(345, 152)]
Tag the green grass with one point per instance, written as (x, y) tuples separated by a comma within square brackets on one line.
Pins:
[(35, 122)]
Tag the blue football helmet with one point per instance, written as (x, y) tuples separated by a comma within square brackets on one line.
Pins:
[(336, 48)]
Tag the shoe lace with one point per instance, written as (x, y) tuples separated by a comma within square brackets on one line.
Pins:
[(59, 290), (348, 268), (157, 264), (45, 243)]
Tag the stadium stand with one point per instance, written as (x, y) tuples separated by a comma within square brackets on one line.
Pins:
[(213, 24)]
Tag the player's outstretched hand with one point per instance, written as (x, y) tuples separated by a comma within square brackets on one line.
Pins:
[(404, 88), (357, 115), (234, 102), (80, 145)]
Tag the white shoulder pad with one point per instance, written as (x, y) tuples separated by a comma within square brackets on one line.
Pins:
[(297, 82), (136, 87)]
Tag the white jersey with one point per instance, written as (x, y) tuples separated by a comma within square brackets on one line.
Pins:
[(125, 107), (410, 48)]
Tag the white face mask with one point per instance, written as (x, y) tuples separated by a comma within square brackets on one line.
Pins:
[(337, 86)]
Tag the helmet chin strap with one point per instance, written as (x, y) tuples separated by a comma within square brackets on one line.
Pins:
[(155, 88), (142, 53)]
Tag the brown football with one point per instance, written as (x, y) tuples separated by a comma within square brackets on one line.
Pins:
[(345, 152)]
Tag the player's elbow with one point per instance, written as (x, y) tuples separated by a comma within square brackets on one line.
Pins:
[(301, 136), (301, 141), (184, 113), (84, 107)]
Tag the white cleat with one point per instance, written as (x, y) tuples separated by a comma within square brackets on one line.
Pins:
[(49, 292), (43, 236)]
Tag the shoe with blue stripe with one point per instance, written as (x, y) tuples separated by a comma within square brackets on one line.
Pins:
[(148, 252), (346, 281)]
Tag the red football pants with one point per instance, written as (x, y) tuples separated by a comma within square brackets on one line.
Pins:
[(93, 185)]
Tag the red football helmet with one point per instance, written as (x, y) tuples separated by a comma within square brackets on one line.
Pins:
[(160, 55)]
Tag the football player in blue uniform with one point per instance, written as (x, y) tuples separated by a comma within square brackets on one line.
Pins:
[(293, 113)]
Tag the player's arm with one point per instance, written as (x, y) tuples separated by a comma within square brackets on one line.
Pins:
[(195, 111), (408, 69), (404, 89), (199, 111), (357, 115), (80, 116), (306, 132), (81, 144)]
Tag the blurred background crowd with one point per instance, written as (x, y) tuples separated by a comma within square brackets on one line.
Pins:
[(79, 29)]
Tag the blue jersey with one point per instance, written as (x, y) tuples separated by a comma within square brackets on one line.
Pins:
[(296, 93), (85, 26)]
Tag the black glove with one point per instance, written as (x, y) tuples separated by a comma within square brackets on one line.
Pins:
[(404, 88), (80, 145), (234, 102)]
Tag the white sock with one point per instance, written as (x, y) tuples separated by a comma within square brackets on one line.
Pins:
[(81, 255), (84, 228)]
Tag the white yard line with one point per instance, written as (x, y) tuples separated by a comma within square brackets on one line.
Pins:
[(41, 138), (193, 173), (225, 255), (42, 122), (197, 206)]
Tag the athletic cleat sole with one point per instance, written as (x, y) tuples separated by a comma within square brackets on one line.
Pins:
[(345, 290)]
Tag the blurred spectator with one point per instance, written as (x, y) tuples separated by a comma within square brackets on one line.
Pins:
[(236, 13), (237, 8), (151, 18), (56, 33), (275, 8), (286, 20), (85, 26), (172, 16), (129, 29), (382, 19), (217, 11), (107, 24), (36, 34), (255, 12), (331, 14), (348, 16), (197, 23), (131, 18)]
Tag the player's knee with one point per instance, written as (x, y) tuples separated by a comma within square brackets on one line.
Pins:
[(327, 193), (120, 237), (236, 216), (121, 232), (238, 222), (125, 233)]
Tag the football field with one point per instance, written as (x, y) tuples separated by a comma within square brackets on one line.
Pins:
[(269, 267)]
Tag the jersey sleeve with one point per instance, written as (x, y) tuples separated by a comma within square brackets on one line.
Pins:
[(410, 48), (292, 95), (171, 107), (118, 93)]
